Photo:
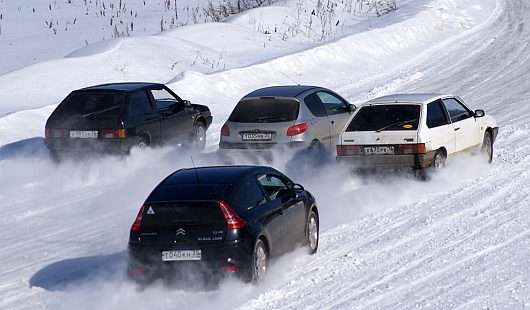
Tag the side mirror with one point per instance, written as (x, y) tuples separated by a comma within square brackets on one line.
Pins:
[(297, 188), (351, 107), (187, 103), (479, 113)]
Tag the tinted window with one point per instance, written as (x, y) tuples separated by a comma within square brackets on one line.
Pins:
[(274, 186), (456, 110), (314, 105), (386, 117), (163, 98), (140, 104), (93, 105), (265, 111), (332, 104), (249, 196), (436, 114), (173, 213)]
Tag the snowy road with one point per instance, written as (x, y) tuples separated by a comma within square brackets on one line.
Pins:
[(459, 241)]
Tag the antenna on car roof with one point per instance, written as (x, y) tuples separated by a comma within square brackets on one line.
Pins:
[(290, 78), (195, 169)]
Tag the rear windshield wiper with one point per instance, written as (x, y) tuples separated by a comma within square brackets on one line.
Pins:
[(101, 111), (270, 118), (396, 124)]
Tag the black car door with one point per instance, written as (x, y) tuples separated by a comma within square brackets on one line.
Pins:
[(264, 214), (142, 117), (176, 119), (290, 209)]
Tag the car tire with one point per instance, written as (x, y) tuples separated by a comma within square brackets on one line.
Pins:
[(487, 147), (438, 161), (260, 261), (141, 143), (199, 136), (312, 232)]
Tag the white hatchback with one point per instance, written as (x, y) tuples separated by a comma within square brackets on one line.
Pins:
[(414, 130)]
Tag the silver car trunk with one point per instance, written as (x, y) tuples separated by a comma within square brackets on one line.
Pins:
[(262, 120)]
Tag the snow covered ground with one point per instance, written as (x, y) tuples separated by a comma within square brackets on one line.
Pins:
[(460, 240)]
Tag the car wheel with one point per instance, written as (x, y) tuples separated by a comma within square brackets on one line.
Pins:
[(438, 161), (312, 234), (260, 261), (141, 143), (487, 147), (199, 137)]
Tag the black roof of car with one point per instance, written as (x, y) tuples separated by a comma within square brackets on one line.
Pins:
[(280, 91), (126, 87), (210, 175)]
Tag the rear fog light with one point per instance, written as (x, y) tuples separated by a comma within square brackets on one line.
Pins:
[(138, 270)]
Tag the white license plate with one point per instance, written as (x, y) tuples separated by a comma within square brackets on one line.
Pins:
[(378, 150), (181, 255), (84, 134), (257, 136)]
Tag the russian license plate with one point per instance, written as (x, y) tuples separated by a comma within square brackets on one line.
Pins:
[(378, 150), (257, 136), (84, 134), (181, 255)]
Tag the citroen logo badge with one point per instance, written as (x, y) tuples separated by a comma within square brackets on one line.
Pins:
[(181, 231)]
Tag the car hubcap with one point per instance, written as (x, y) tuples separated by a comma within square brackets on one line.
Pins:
[(438, 161), (200, 135), (261, 262), (142, 145), (313, 233)]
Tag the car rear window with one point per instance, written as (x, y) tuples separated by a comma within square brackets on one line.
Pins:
[(93, 104), (174, 213), (265, 111), (386, 117)]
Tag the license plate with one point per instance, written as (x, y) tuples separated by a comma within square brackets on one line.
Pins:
[(378, 150), (255, 136), (84, 134), (181, 255)]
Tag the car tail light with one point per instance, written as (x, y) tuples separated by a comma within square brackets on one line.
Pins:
[(113, 133), (348, 150), (54, 133), (136, 225), (418, 148), (231, 268), (297, 129), (233, 220), (225, 130)]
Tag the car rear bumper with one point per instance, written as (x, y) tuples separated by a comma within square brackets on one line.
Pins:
[(261, 145), (415, 161), (145, 262), (82, 146)]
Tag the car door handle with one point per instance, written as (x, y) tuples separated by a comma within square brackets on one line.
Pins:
[(332, 122), (457, 128)]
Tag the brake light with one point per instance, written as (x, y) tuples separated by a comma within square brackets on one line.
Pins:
[(233, 220), (113, 133), (348, 150), (225, 130), (136, 225), (54, 133), (418, 148), (231, 268), (297, 129)]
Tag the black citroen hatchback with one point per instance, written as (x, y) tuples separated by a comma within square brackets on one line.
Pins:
[(213, 220)]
